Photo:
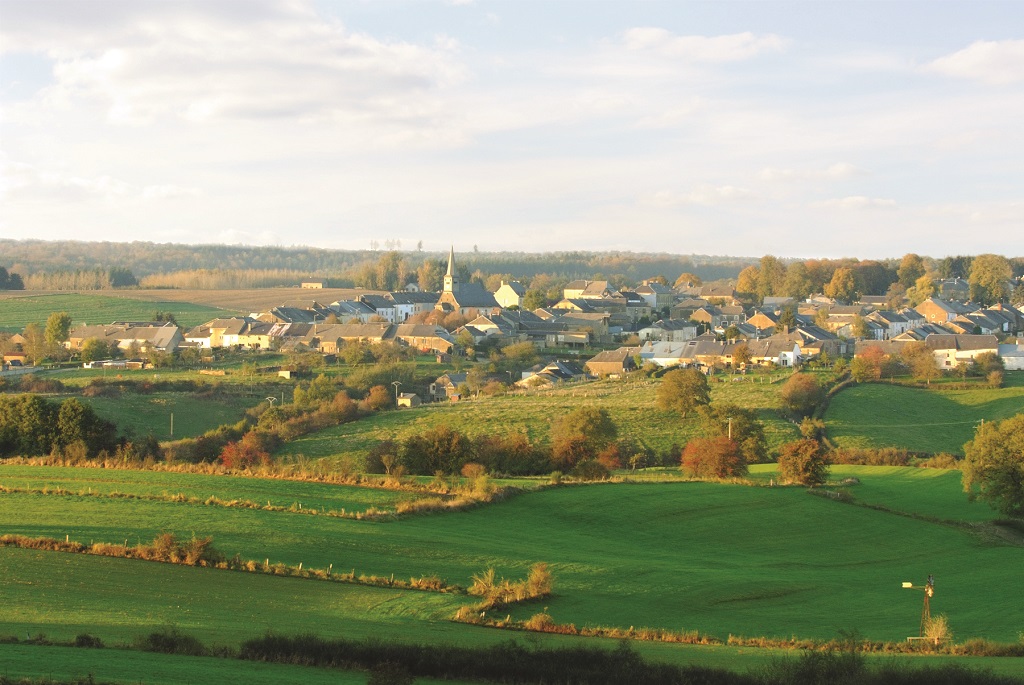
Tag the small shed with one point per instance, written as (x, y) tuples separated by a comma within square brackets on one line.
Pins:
[(409, 399)]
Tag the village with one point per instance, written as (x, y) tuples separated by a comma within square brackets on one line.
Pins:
[(595, 330)]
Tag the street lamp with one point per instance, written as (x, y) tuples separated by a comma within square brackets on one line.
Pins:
[(396, 384), (271, 400)]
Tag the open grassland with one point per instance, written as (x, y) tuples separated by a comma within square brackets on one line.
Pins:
[(108, 665), (140, 415), (117, 600), (275, 492), (925, 420), (16, 312), (721, 559), (631, 404)]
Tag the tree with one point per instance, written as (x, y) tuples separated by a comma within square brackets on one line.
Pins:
[(688, 279), (923, 288), (741, 354), (802, 394), (798, 283), (990, 278), (921, 361), (437, 449), (787, 319), (717, 457), (867, 366), (683, 390), (581, 435), (859, 327), (95, 349), (58, 327), (911, 268), (739, 423), (772, 277), (746, 282), (843, 286), (804, 462), (993, 466)]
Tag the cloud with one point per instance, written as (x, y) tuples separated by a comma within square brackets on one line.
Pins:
[(992, 62), (24, 181), (703, 195), (204, 63), (857, 203), (711, 49), (840, 170)]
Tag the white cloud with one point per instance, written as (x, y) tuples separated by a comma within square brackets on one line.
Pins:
[(704, 195), (857, 203), (840, 170), (727, 48), (285, 64), (993, 62)]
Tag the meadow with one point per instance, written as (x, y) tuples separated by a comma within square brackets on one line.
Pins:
[(717, 558), (630, 402), (934, 420), (19, 310)]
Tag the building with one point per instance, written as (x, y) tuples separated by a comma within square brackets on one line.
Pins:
[(464, 298)]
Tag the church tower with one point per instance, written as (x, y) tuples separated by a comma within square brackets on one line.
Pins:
[(451, 281)]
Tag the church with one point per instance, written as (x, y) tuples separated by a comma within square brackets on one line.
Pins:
[(464, 297)]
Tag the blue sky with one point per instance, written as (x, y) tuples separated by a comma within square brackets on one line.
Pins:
[(817, 129)]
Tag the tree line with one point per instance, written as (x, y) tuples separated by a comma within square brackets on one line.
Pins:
[(33, 426)]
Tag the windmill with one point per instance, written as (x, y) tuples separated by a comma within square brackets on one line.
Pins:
[(926, 611)]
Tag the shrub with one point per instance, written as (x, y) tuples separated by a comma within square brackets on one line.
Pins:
[(88, 641), (802, 461), (170, 641), (717, 457)]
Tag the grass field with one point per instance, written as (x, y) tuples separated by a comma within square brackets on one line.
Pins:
[(140, 415), (276, 492), (16, 312), (926, 420), (716, 558), (631, 404)]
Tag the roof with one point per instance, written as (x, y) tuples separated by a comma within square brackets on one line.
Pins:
[(961, 342)]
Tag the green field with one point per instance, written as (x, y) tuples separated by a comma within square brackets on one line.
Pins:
[(716, 558), (924, 420), (275, 492), (139, 415), (16, 312), (631, 404)]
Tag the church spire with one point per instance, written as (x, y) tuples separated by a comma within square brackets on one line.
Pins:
[(451, 281)]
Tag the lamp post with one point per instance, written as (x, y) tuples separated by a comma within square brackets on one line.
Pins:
[(396, 384), (730, 428)]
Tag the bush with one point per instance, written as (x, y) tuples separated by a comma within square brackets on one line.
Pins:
[(803, 462), (170, 641), (88, 641), (717, 457)]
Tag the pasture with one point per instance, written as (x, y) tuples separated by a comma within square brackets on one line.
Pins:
[(925, 420), (19, 310), (630, 402), (720, 559)]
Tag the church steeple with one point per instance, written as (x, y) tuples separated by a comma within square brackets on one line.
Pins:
[(451, 281)]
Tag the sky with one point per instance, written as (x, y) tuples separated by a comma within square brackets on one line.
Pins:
[(801, 129)]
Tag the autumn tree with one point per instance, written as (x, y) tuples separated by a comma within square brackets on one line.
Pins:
[(581, 435), (910, 269), (688, 279), (867, 365), (683, 390), (741, 354), (717, 457), (741, 424), (746, 282), (803, 462), (993, 465), (990, 278), (843, 286), (771, 278), (801, 394), (921, 361), (798, 283), (439, 449)]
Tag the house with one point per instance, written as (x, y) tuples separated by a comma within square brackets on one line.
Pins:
[(382, 306), (685, 308), (589, 290), (937, 310), (314, 284), (162, 337), (447, 386), (408, 400), (952, 349), (464, 297), (657, 296), (719, 294), (778, 350), (955, 289), (510, 294), (697, 353), (1012, 355), (613, 363), (425, 337), (331, 338), (411, 303), (894, 322), (558, 371), (239, 331), (669, 330)]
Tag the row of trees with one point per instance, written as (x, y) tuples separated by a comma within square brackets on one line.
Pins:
[(10, 280), (913, 277), (33, 426)]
